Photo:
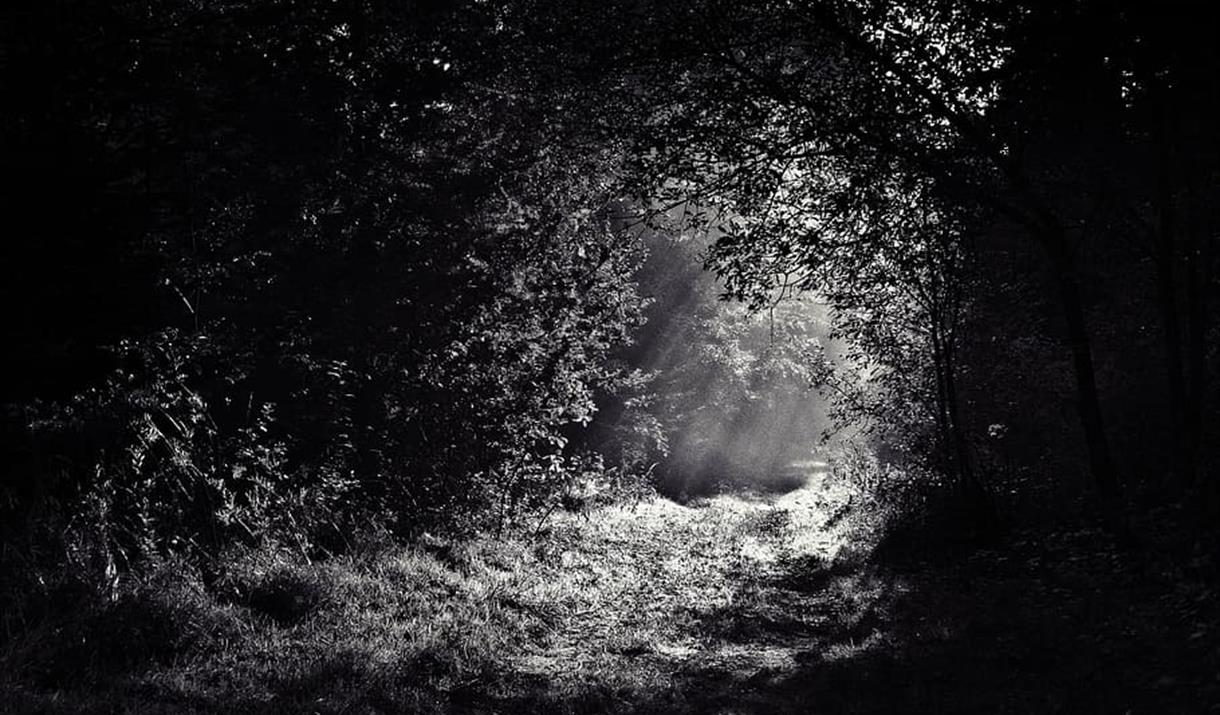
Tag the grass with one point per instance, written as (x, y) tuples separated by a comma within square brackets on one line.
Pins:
[(596, 612), (764, 602)]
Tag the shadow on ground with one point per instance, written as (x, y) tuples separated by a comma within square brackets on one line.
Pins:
[(1032, 626), (1048, 621)]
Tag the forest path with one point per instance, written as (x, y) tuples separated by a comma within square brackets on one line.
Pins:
[(761, 601), (706, 606), (774, 603)]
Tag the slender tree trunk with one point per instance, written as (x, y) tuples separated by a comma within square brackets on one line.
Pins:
[(1205, 202), (1198, 283), (943, 429), (980, 515), (1167, 302), (961, 446), (1101, 461)]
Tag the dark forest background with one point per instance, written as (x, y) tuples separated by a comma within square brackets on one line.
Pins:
[(292, 272)]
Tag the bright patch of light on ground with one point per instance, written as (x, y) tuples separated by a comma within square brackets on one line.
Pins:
[(738, 583)]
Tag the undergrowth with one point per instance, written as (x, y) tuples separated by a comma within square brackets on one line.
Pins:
[(750, 602), (587, 611)]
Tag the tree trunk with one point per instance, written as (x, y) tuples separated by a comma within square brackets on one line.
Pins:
[(1101, 461), (1167, 302), (943, 429), (961, 446), (1198, 284)]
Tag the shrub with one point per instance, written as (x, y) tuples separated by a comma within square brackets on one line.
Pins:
[(157, 618)]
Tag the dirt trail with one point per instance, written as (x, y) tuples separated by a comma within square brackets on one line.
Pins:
[(708, 605), (771, 603)]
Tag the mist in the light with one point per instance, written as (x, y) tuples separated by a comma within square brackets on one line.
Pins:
[(735, 387)]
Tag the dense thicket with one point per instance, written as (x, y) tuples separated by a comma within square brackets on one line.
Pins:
[(282, 268), (289, 268), (1011, 205)]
